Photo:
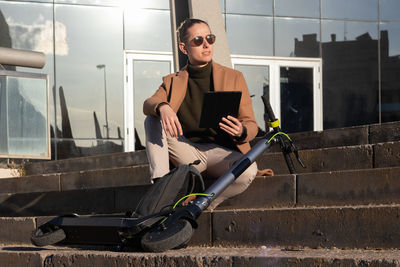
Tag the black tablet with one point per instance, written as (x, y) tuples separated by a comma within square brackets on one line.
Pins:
[(217, 105)]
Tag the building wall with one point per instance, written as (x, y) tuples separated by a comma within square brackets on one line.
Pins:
[(84, 43)]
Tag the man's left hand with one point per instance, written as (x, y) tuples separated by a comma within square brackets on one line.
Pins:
[(232, 126)]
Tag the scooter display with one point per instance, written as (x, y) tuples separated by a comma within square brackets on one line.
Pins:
[(168, 229)]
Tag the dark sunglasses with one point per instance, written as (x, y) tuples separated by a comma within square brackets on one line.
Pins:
[(198, 40)]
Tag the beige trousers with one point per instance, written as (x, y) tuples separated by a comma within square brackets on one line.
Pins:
[(215, 160)]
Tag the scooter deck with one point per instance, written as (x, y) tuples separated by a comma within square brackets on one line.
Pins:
[(103, 230)]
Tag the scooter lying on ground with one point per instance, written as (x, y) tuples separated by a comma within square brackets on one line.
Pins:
[(164, 230)]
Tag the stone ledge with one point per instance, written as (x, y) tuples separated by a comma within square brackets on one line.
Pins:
[(196, 256)]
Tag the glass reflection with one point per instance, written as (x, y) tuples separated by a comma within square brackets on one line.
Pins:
[(390, 66), (29, 26), (148, 30), (296, 99), (249, 35), (350, 73), (24, 116), (72, 148), (222, 4), (350, 9), (296, 37), (44, 1), (84, 41), (257, 7), (390, 10), (298, 8), (147, 77), (159, 4), (257, 79)]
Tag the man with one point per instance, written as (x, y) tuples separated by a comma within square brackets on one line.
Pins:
[(173, 114)]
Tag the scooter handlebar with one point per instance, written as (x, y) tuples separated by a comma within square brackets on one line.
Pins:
[(268, 108)]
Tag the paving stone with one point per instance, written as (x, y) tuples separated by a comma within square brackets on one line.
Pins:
[(16, 230), (113, 160), (36, 183), (269, 191), (355, 187), (352, 227), (126, 176), (385, 132), (203, 234), (350, 136), (387, 155), (20, 259)]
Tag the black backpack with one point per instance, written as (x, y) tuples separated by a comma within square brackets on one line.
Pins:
[(167, 190)]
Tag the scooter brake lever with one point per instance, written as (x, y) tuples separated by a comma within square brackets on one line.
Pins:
[(295, 150)]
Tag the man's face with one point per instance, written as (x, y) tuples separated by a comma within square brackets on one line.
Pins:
[(198, 55)]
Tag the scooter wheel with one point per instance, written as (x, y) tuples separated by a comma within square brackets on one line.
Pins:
[(176, 235), (44, 236)]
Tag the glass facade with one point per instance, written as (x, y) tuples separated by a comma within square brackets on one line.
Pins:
[(289, 32), (298, 8), (138, 24), (245, 37), (84, 43), (257, 79), (390, 72), (350, 9), (358, 41)]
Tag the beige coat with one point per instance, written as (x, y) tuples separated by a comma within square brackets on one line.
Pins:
[(174, 86)]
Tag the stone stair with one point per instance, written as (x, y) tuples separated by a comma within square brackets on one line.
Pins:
[(342, 210)]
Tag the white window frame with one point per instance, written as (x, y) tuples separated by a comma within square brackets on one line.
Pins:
[(274, 64), (129, 103)]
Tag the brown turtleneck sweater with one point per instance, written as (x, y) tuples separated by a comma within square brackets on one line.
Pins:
[(200, 81)]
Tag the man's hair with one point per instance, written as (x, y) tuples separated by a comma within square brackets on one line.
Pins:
[(182, 30)]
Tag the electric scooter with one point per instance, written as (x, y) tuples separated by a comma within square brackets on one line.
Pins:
[(168, 229)]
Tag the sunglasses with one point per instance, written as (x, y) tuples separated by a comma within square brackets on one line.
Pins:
[(198, 40)]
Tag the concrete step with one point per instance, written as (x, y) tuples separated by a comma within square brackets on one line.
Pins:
[(102, 194), (316, 160), (197, 256), (351, 136), (98, 162), (340, 188), (378, 155), (341, 227), (374, 227)]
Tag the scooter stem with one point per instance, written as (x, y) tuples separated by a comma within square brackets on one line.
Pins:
[(202, 202)]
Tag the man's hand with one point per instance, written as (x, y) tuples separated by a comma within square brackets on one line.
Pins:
[(232, 126), (170, 121)]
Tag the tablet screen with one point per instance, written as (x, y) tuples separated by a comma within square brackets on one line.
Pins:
[(217, 105)]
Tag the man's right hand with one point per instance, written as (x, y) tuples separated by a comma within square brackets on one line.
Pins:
[(170, 121)]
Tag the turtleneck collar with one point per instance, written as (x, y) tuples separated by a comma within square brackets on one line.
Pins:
[(199, 72)]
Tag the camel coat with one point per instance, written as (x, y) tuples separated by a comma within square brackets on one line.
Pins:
[(173, 91)]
